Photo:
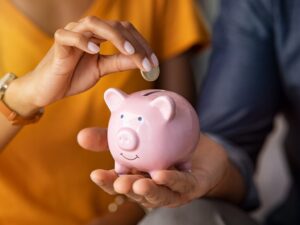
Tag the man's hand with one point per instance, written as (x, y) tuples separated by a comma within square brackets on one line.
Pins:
[(212, 175)]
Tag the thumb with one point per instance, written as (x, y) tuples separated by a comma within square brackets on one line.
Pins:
[(93, 139), (115, 63)]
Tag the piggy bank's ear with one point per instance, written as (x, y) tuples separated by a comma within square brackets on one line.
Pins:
[(166, 106), (114, 98)]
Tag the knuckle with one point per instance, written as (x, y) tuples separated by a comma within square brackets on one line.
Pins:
[(90, 19), (58, 34), (80, 40), (70, 25), (117, 62)]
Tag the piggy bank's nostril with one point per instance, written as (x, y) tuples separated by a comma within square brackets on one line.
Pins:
[(127, 139)]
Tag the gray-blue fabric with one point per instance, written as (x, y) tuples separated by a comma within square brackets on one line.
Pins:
[(254, 74)]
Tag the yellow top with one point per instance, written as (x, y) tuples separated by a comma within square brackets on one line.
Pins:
[(44, 174)]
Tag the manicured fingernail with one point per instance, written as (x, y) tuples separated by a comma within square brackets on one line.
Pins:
[(146, 65), (93, 47), (129, 48), (154, 60)]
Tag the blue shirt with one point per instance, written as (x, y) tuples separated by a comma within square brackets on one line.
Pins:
[(254, 74)]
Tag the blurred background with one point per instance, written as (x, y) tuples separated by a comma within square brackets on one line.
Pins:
[(271, 175)]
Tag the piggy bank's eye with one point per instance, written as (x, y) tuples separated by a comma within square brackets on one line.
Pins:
[(122, 116), (140, 118)]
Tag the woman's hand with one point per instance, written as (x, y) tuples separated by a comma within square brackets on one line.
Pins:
[(74, 64), (170, 188)]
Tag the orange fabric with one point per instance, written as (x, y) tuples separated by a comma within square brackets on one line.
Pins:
[(44, 174)]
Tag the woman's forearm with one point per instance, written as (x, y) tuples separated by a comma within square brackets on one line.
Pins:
[(16, 101), (7, 133)]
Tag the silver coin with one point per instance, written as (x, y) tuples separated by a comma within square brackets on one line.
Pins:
[(151, 75)]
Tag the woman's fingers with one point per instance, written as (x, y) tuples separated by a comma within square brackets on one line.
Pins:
[(121, 37), (107, 64), (66, 39), (134, 32), (105, 180), (94, 139), (115, 63), (102, 30), (142, 56)]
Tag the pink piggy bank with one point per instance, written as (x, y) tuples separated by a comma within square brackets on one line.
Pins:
[(151, 130)]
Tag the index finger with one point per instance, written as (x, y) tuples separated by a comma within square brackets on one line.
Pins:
[(121, 38), (105, 31)]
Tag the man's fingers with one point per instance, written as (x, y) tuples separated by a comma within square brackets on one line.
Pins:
[(94, 139), (154, 194), (123, 184), (181, 182), (104, 179)]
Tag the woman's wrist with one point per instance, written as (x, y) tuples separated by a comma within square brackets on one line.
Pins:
[(19, 100)]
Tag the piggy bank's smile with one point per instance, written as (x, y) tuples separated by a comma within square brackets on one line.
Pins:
[(125, 157)]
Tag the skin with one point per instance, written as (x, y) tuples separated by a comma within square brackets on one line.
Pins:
[(70, 67), (212, 176)]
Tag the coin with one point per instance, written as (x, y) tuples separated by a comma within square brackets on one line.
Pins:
[(152, 75)]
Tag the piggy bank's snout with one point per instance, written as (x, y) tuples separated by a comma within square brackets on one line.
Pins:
[(127, 139)]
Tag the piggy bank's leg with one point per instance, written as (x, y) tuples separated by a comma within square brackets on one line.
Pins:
[(120, 169), (185, 166)]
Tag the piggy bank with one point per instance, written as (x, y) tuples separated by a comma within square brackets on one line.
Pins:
[(151, 130)]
